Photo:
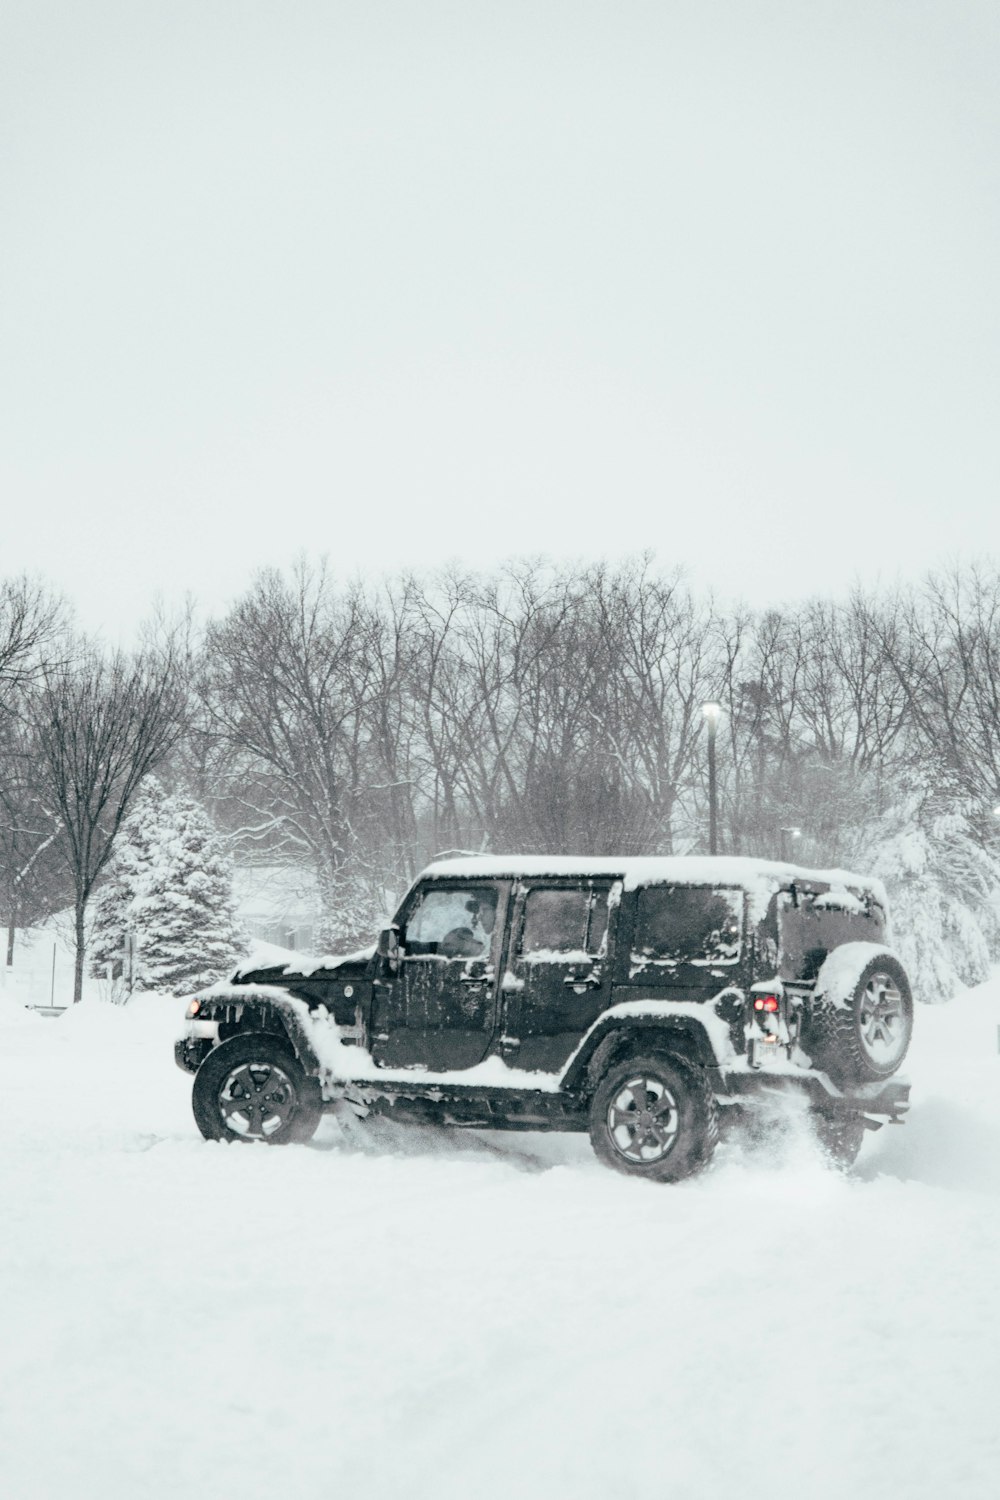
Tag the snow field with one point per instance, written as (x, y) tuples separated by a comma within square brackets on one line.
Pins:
[(440, 1314)]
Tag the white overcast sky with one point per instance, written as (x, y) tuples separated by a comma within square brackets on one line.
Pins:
[(402, 281)]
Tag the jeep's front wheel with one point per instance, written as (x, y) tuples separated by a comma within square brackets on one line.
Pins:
[(654, 1117), (251, 1088)]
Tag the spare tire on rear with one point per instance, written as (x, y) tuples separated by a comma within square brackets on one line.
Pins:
[(862, 1036)]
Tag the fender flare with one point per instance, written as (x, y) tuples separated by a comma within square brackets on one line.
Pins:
[(297, 1029), (684, 1036), (240, 1010)]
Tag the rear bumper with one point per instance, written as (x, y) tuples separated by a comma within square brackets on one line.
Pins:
[(889, 1098)]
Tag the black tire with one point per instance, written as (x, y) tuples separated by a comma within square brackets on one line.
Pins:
[(840, 1137), (252, 1088), (867, 1039), (654, 1117)]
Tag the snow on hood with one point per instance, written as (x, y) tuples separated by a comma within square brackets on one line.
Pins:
[(269, 956)]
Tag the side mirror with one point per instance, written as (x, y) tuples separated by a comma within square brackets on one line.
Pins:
[(388, 944)]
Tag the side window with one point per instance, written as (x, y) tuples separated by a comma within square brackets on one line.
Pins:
[(564, 921), (687, 925), (452, 923), (555, 922)]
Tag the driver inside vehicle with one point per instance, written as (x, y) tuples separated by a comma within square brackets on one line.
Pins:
[(452, 923), (473, 940)]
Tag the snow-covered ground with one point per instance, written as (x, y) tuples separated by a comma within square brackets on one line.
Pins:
[(419, 1314)]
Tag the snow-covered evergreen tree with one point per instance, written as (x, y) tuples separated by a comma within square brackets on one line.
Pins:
[(942, 882), (184, 914), (124, 878)]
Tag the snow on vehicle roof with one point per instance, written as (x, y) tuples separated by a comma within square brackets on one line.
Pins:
[(761, 877)]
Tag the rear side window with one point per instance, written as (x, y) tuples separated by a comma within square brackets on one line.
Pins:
[(677, 925)]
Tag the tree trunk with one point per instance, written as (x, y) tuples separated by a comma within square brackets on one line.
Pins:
[(11, 929), (79, 914)]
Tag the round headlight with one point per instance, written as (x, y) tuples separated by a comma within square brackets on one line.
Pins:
[(193, 1009)]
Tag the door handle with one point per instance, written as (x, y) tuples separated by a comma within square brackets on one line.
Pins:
[(590, 980)]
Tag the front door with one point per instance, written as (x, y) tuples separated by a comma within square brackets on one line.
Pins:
[(558, 979), (438, 1010)]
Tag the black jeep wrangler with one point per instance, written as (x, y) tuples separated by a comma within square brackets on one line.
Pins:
[(643, 1000)]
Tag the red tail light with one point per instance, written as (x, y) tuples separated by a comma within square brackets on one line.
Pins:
[(769, 1003)]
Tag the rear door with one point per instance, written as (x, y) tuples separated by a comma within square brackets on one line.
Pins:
[(558, 976)]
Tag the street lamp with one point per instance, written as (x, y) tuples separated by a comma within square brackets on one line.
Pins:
[(786, 834), (712, 712)]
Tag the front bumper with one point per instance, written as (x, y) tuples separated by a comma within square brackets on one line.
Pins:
[(190, 1052)]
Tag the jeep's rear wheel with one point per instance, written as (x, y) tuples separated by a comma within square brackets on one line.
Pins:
[(251, 1088), (865, 1040), (653, 1117)]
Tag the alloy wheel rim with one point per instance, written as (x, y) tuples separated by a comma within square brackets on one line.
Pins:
[(643, 1120), (882, 1021), (257, 1099)]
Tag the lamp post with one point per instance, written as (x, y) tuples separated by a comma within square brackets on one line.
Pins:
[(712, 712), (786, 834)]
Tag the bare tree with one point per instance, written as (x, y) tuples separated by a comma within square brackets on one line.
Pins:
[(816, 718), (102, 723), (30, 619), (32, 880), (294, 688), (761, 670), (660, 664), (944, 646)]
